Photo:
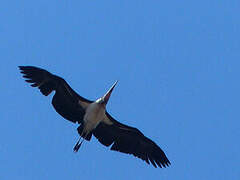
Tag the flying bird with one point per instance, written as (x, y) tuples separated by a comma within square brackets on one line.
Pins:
[(93, 119)]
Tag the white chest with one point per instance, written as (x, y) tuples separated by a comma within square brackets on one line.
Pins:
[(95, 113)]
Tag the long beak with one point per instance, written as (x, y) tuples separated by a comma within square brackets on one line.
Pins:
[(108, 94)]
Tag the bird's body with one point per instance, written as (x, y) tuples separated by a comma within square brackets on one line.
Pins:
[(95, 113), (93, 116), (94, 119)]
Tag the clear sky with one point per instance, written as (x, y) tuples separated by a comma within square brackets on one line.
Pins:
[(178, 66)]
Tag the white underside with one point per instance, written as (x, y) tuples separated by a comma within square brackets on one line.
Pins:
[(95, 113)]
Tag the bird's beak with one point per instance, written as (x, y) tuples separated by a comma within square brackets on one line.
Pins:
[(108, 94)]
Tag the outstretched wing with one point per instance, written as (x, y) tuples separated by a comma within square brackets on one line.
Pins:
[(130, 140), (65, 100)]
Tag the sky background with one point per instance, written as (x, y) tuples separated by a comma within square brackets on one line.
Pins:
[(177, 63)]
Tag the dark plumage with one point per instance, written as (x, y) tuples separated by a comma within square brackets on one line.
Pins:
[(73, 107)]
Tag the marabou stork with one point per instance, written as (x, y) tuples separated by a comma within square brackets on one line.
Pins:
[(93, 118)]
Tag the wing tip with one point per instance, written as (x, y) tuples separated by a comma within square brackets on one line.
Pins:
[(21, 68), (24, 67), (38, 77), (157, 164)]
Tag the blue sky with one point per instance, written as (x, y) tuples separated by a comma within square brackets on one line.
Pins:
[(177, 63)]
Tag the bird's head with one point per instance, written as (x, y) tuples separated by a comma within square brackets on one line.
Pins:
[(104, 99)]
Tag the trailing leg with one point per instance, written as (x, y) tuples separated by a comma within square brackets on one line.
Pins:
[(78, 144)]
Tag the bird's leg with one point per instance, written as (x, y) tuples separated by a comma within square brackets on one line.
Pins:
[(77, 146)]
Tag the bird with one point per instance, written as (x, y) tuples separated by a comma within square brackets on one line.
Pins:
[(93, 119)]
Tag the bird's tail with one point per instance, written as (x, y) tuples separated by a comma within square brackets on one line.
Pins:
[(84, 135)]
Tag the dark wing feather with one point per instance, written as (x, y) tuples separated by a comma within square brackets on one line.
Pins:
[(130, 140), (65, 101)]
